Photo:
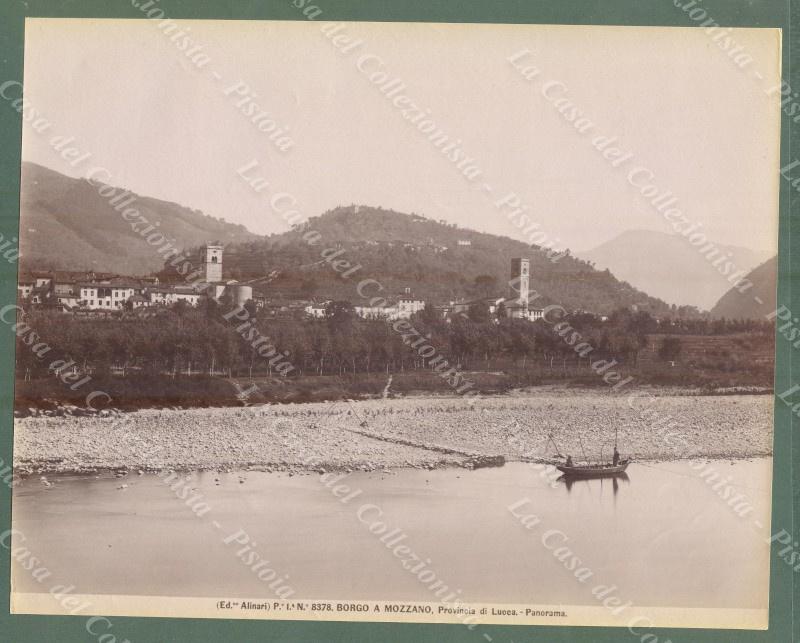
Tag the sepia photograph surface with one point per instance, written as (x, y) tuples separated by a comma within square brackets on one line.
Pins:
[(411, 322)]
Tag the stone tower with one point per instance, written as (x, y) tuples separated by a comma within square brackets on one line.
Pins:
[(212, 259), (520, 285)]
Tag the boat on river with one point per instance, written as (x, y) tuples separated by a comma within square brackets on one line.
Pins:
[(587, 469), (594, 470)]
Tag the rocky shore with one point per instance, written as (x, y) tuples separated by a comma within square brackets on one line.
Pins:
[(386, 434)]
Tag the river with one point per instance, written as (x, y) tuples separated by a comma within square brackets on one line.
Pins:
[(663, 535)]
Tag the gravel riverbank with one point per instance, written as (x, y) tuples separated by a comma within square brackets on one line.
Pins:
[(409, 432)]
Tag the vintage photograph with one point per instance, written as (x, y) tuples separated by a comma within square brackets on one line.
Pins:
[(411, 322)]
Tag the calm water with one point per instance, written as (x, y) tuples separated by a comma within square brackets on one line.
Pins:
[(662, 535)]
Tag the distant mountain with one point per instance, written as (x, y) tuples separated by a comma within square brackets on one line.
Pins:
[(66, 225), (744, 305), (668, 267), (439, 262)]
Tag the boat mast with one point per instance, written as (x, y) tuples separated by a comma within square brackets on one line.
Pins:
[(550, 437), (582, 449)]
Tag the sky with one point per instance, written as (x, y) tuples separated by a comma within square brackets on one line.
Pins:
[(671, 97)]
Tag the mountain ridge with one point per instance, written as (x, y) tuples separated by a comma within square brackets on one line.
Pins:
[(53, 237), (669, 267), (755, 302), (435, 260), (67, 225)]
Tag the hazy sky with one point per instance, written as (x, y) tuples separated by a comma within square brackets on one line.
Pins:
[(164, 128)]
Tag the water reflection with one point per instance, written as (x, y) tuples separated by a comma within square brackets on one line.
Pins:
[(602, 482), (143, 540)]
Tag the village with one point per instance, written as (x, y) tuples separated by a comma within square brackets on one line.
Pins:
[(104, 295)]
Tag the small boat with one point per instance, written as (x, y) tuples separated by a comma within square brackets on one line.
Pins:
[(592, 469), (597, 470)]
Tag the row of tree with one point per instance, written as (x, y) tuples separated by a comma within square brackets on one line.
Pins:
[(188, 340)]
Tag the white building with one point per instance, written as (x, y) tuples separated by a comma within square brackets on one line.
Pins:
[(25, 287), (139, 301), (105, 295), (408, 305), (65, 294), (375, 312), (317, 311), (171, 296)]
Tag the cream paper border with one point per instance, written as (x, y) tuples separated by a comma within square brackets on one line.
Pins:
[(288, 610)]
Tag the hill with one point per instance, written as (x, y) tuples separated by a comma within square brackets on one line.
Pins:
[(438, 261), (668, 267), (66, 225), (736, 305)]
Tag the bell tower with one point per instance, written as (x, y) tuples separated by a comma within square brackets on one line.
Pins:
[(520, 277), (212, 260)]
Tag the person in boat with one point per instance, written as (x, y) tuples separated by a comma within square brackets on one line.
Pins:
[(569, 461), (616, 457)]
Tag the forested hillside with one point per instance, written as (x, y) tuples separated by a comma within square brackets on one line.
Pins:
[(438, 261), (65, 224), (745, 305)]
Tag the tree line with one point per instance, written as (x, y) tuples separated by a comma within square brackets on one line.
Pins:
[(185, 340)]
